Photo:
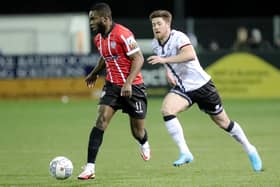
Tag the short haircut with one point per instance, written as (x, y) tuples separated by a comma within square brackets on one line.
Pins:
[(103, 10), (164, 14)]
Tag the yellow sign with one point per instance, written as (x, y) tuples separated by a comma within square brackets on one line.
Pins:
[(244, 75), (49, 88)]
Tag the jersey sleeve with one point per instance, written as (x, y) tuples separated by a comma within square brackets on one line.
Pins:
[(182, 40), (129, 43)]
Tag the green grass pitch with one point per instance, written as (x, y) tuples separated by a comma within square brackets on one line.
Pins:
[(32, 132)]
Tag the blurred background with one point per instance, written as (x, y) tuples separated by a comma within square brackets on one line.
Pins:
[(46, 47), (46, 110)]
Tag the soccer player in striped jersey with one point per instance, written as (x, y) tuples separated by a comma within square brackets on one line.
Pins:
[(124, 88), (191, 84)]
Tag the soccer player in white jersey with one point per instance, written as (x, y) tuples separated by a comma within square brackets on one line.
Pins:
[(191, 84)]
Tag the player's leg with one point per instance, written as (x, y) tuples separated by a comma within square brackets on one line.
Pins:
[(139, 132), (136, 107), (105, 113), (209, 100), (173, 104), (235, 130)]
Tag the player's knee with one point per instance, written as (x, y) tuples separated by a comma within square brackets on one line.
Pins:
[(165, 111)]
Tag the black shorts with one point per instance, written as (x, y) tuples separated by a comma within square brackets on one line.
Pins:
[(207, 98), (135, 106)]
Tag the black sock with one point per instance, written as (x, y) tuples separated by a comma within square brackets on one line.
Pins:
[(144, 139), (230, 127), (169, 117), (95, 140)]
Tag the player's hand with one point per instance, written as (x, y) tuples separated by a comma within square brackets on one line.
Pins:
[(155, 60), (90, 80), (126, 90)]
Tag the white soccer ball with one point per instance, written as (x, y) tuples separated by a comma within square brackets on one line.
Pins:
[(61, 167)]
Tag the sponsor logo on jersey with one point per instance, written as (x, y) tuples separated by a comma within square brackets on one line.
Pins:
[(110, 58)]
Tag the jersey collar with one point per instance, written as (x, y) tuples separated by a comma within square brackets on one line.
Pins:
[(112, 26), (165, 41)]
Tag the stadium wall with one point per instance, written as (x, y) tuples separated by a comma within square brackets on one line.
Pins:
[(237, 75)]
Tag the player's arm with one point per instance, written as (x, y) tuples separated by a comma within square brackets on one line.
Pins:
[(136, 66), (93, 75), (185, 54)]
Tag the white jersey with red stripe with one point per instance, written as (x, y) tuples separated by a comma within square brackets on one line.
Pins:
[(115, 49), (189, 75)]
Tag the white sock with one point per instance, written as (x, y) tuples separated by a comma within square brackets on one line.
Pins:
[(238, 134), (146, 145), (175, 130), (90, 166)]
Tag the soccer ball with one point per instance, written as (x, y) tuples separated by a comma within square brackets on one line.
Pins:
[(61, 167)]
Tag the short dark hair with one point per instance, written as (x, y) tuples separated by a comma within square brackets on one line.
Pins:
[(103, 9), (165, 14)]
